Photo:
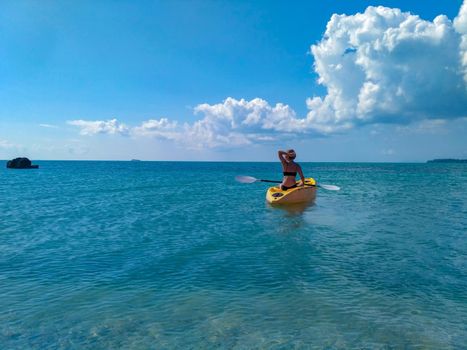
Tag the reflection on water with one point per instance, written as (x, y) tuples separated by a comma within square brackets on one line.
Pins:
[(293, 210), (289, 218)]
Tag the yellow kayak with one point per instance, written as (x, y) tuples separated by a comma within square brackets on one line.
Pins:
[(301, 194)]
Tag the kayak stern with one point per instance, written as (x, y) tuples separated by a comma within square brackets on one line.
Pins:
[(301, 194)]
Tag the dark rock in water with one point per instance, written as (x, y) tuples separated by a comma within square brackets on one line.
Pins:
[(21, 163)]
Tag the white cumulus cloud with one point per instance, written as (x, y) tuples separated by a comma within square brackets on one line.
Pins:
[(385, 65), (379, 66), (460, 23), (240, 122), (229, 123), (232, 122), (162, 128), (92, 127)]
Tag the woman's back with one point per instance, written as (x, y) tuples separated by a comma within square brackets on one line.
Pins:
[(290, 169)]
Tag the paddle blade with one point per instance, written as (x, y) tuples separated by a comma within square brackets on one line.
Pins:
[(245, 179), (330, 187)]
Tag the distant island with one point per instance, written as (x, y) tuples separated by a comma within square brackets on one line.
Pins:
[(135, 160), (447, 160)]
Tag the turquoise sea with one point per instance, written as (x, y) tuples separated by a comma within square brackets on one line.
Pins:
[(177, 255)]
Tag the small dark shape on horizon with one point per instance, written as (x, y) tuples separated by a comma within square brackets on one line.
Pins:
[(21, 163), (447, 160), (136, 160)]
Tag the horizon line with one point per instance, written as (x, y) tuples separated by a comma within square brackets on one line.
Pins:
[(220, 161)]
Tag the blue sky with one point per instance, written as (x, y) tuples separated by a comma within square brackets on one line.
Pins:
[(230, 80)]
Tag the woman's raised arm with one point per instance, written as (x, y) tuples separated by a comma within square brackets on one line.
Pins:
[(281, 155)]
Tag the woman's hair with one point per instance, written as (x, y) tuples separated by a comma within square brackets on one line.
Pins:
[(291, 153)]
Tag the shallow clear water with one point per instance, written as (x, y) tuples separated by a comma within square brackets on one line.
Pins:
[(178, 255)]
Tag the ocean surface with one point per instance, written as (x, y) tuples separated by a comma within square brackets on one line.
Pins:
[(177, 255)]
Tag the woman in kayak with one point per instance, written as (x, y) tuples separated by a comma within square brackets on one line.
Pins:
[(290, 170)]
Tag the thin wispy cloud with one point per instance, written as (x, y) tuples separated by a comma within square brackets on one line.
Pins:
[(7, 144), (388, 152), (49, 126)]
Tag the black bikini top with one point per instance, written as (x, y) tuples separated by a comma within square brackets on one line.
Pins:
[(289, 173)]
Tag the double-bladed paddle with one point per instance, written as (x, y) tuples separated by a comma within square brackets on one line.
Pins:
[(251, 179)]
